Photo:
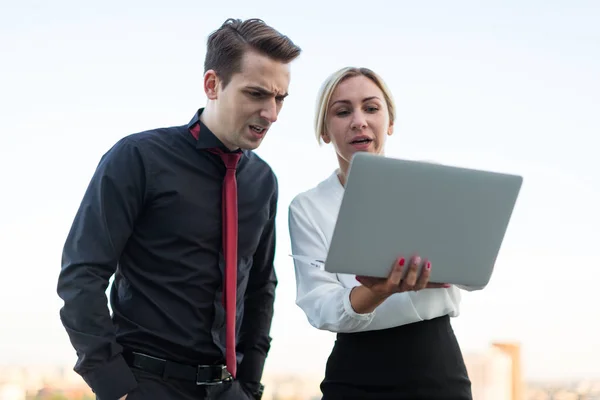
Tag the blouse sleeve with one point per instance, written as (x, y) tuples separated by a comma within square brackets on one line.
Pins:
[(322, 297)]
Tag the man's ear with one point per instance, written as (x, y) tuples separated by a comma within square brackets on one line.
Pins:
[(211, 84)]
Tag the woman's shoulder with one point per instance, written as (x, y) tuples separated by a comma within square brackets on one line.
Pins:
[(316, 195)]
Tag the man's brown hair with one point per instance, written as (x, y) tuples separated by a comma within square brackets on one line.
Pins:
[(226, 46)]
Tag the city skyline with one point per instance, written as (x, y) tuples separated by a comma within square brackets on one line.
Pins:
[(495, 373)]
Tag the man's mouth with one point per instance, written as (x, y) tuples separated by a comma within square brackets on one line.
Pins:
[(257, 129)]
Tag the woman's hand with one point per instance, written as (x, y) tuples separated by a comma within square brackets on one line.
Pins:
[(394, 282), (373, 291)]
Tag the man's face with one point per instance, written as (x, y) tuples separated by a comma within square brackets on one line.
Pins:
[(250, 103)]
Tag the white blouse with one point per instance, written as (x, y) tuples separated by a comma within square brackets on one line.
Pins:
[(325, 296)]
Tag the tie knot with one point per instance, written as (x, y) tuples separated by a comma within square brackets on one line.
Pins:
[(230, 159)]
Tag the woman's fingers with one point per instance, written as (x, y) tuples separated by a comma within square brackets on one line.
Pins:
[(424, 277), (415, 279), (438, 285), (396, 275), (410, 279)]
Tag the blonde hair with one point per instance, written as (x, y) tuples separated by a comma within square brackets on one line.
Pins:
[(332, 82)]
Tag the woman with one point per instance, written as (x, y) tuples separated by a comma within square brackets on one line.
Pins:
[(394, 336)]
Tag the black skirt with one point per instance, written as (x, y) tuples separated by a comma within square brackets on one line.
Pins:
[(416, 361)]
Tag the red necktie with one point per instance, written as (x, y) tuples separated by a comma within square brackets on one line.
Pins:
[(230, 244)]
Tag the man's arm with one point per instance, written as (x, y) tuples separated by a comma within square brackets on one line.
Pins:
[(100, 230), (255, 340)]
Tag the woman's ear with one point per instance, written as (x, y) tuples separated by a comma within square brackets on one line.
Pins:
[(325, 137), (391, 129)]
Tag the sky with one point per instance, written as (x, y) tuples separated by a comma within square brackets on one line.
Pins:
[(510, 86)]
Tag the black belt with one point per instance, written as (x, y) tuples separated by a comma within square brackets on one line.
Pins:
[(200, 374)]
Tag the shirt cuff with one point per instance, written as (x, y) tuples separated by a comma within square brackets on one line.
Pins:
[(112, 380), (350, 311)]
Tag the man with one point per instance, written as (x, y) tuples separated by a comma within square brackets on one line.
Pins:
[(191, 246)]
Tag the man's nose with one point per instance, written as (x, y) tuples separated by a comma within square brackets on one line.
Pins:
[(270, 111)]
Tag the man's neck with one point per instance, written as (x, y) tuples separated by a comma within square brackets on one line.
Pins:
[(207, 118)]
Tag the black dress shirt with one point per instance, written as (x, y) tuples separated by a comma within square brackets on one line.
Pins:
[(152, 217)]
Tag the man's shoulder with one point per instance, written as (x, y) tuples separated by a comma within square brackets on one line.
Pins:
[(261, 168), (151, 137), (144, 145)]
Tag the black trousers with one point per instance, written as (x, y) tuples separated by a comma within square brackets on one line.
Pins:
[(153, 387), (416, 361)]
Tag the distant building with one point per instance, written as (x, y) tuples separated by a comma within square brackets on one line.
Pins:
[(496, 374), (491, 374), (513, 350)]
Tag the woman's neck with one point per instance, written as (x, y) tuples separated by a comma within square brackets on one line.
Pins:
[(342, 173)]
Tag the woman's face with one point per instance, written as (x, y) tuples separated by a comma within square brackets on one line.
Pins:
[(357, 119)]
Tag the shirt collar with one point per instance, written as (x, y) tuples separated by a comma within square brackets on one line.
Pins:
[(336, 186), (206, 139)]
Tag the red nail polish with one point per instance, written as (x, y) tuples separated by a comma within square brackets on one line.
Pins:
[(447, 285), (428, 266), (401, 262)]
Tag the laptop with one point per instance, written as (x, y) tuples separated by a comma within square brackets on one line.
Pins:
[(455, 217)]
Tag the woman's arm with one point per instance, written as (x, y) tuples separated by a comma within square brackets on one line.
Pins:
[(322, 297), (333, 306), (363, 300)]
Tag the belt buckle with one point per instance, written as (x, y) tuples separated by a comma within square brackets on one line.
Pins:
[(225, 376)]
